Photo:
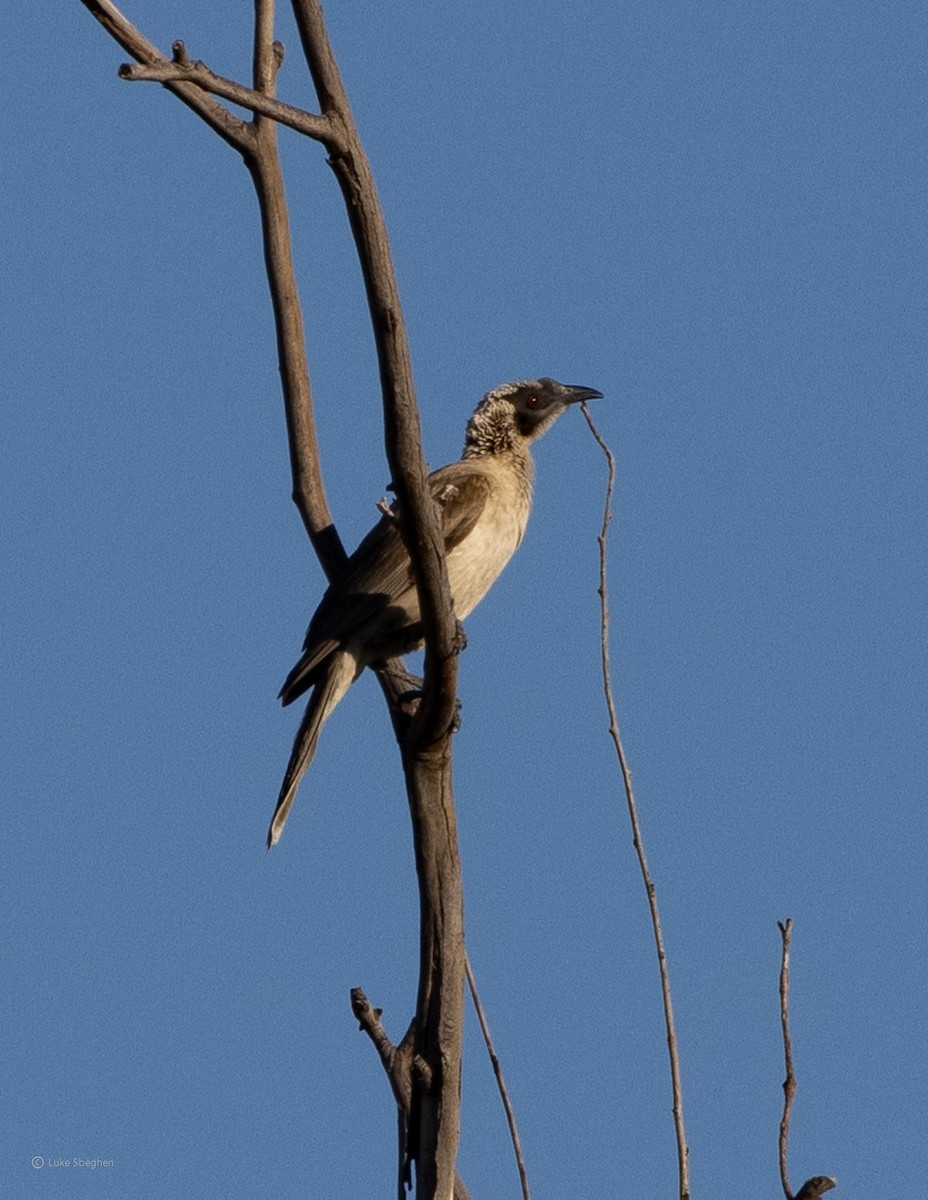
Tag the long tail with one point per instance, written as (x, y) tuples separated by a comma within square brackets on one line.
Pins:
[(341, 672)]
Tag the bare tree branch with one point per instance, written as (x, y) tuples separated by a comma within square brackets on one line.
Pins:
[(397, 1060), (789, 1083), (258, 145), (818, 1184), (650, 889), (229, 127), (425, 736), (182, 69), (399, 1064), (500, 1082), (263, 163)]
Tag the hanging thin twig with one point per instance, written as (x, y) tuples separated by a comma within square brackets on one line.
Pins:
[(498, 1072), (676, 1085)]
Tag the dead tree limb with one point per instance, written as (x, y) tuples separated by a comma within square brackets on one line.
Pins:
[(229, 127), (183, 69), (789, 1083), (425, 738), (815, 1187), (398, 1064), (263, 163)]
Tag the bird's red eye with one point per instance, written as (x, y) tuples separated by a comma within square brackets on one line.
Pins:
[(532, 402)]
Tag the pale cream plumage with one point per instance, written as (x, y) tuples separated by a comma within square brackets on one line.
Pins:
[(370, 612)]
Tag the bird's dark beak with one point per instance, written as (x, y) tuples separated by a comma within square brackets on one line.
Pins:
[(574, 395)]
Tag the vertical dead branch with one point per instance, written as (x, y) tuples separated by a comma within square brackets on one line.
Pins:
[(789, 1083), (263, 163), (818, 1184), (676, 1083)]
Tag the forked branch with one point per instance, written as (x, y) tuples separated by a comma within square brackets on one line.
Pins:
[(183, 69), (229, 127), (400, 1065), (425, 737)]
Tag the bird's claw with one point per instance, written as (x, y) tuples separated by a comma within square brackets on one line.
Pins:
[(408, 703)]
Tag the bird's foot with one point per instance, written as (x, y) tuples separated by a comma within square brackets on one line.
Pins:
[(460, 637), (408, 703), (385, 506)]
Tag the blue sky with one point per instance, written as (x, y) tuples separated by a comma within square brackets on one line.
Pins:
[(716, 215)]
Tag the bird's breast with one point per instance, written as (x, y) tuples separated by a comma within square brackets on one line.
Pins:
[(475, 563)]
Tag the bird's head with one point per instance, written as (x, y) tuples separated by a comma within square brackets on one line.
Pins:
[(520, 412)]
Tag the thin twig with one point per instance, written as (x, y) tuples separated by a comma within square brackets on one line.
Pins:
[(676, 1085), (498, 1072), (789, 1083), (813, 1188), (231, 128)]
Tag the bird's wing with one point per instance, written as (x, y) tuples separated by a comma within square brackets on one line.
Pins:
[(461, 491), (360, 590), (379, 572), (378, 575)]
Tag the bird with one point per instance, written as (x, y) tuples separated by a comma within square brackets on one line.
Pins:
[(370, 611)]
